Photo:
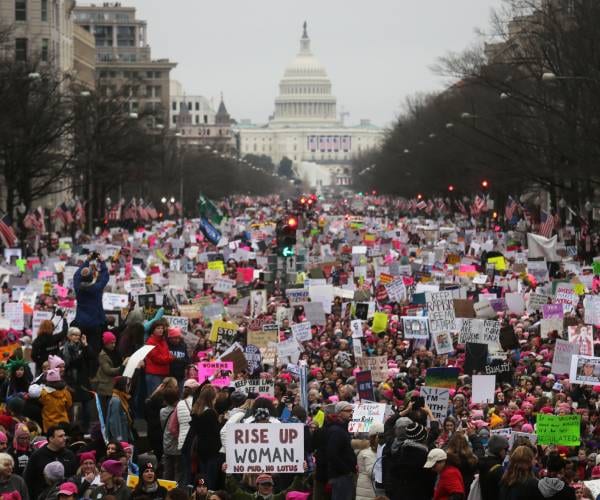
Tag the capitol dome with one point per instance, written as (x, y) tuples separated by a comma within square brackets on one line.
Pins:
[(305, 91)]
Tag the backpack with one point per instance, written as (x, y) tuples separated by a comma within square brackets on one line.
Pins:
[(169, 441), (172, 426)]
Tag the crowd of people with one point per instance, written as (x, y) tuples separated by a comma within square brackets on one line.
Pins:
[(104, 392)]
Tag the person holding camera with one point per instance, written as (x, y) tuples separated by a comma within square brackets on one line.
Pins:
[(89, 282)]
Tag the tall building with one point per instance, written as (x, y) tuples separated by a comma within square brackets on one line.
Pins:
[(123, 57), (305, 127), (42, 30), (84, 56), (199, 107)]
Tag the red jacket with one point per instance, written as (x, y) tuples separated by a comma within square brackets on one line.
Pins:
[(158, 359), (449, 482)]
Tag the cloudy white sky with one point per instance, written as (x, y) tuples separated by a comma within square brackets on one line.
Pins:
[(376, 52)]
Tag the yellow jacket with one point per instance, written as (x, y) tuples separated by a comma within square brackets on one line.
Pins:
[(55, 406)]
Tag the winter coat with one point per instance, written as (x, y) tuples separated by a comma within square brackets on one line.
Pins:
[(364, 486), (106, 374), (120, 493), (341, 459), (117, 424), (552, 487), (158, 360), (490, 473), (46, 345), (90, 313), (55, 406), (206, 428), (169, 441), (449, 483), (77, 374), (180, 357), (527, 490), (184, 417), (42, 457), (14, 484), (405, 475)]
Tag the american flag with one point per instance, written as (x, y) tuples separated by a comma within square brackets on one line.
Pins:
[(142, 213), (430, 207), (510, 209), (421, 205), (546, 224), (130, 212), (441, 206), (461, 207), (7, 234), (114, 213), (478, 206), (79, 212)]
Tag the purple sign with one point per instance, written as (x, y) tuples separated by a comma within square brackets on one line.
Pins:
[(553, 311)]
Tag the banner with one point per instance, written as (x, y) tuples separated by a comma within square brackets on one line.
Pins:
[(364, 382), (442, 377), (265, 448), (365, 415), (561, 430), (436, 398), (255, 385), (440, 310)]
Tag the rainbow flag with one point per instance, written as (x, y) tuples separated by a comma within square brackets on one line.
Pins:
[(441, 377)]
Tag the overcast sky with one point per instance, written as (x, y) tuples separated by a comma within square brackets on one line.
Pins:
[(376, 52)]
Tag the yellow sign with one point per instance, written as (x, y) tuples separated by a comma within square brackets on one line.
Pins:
[(380, 321), (222, 327), (217, 265), (579, 288), (498, 262), (132, 482), (161, 256)]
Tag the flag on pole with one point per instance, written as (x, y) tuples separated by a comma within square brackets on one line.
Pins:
[(7, 234), (209, 210), (211, 233), (510, 209), (546, 224), (67, 215)]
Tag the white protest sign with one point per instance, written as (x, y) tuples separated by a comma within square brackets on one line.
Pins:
[(536, 301), (135, 287), (13, 311), (180, 322), (256, 386), (515, 302), (224, 285), (114, 301), (566, 295), (135, 358), (265, 448), (436, 398), (396, 291), (479, 331), (483, 388), (357, 328), (591, 305), (585, 370), (563, 352), (211, 275), (297, 295), (440, 307), (415, 327), (365, 415), (483, 309), (38, 317), (302, 331)]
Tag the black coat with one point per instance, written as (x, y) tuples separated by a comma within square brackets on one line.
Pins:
[(206, 428), (405, 476), (341, 459), (34, 472)]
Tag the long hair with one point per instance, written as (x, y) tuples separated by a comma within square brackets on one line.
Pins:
[(519, 466), (206, 399), (459, 448), (46, 327)]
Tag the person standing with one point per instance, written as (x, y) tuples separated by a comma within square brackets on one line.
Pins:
[(158, 361), (54, 451), (89, 282), (75, 352), (341, 459), (11, 484), (449, 485), (490, 467), (110, 365), (519, 482), (119, 421)]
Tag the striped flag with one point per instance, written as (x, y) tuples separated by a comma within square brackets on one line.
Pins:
[(68, 216), (546, 224), (510, 209), (79, 212), (130, 212), (461, 207), (7, 234)]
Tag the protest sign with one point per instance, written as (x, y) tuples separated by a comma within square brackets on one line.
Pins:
[(541, 247), (483, 309), (566, 295), (180, 322), (302, 331), (380, 321), (364, 382), (265, 448), (396, 291), (297, 295), (436, 398), (520, 436), (553, 311), (483, 388), (440, 311), (235, 353), (223, 285), (585, 370), (191, 311), (591, 305), (582, 336), (255, 385), (357, 329), (501, 369), (222, 370), (515, 303), (376, 364), (480, 331), (357, 349), (263, 338), (253, 358), (415, 327), (443, 342), (13, 311), (547, 326), (38, 317), (223, 331), (114, 301), (442, 377), (563, 352), (463, 308), (135, 359), (258, 303), (536, 301), (560, 430), (288, 349), (365, 415), (314, 313)]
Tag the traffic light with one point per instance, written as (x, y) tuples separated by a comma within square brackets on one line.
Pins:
[(286, 236)]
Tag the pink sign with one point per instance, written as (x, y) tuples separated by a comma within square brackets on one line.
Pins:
[(208, 368), (464, 268), (62, 291)]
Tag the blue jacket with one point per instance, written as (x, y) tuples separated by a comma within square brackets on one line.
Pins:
[(90, 312), (117, 426)]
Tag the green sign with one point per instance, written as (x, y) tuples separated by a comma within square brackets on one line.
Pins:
[(287, 251), (562, 430), (596, 268)]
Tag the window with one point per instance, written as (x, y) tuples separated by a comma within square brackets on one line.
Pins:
[(45, 10), (197, 119), (157, 74), (20, 10), (174, 106), (21, 49), (45, 55), (189, 106), (174, 120), (197, 106), (206, 119), (157, 90)]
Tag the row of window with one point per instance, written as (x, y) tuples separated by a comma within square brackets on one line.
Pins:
[(182, 105), (306, 90), (203, 131), (22, 49), (102, 16), (196, 119), (130, 75), (21, 10)]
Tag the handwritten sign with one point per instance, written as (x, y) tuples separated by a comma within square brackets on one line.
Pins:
[(256, 386), (436, 399), (561, 430), (440, 307), (178, 322), (207, 369), (479, 331), (302, 331), (377, 365), (365, 415)]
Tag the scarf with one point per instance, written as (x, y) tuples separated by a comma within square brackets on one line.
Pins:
[(124, 398)]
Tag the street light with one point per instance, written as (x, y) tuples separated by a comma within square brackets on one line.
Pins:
[(504, 96), (172, 200), (485, 184), (449, 125), (34, 76), (406, 151), (163, 200), (550, 77)]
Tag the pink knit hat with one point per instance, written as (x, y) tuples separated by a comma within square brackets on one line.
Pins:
[(55, 361), (108, 338), (53, 375)]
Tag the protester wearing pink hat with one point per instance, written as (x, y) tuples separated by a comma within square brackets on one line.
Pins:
[(109, 366)]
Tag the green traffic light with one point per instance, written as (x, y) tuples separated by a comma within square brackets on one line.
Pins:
[(287, 251)]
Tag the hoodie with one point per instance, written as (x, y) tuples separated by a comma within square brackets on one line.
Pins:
[(552, 487)]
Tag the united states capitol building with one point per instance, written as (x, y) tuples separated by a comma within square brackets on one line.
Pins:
[(305, 126)]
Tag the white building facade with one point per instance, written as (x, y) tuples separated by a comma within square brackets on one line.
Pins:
[(305, 127)]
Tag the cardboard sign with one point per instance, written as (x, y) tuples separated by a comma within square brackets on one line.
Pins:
[(376, 364), (302, 331), (262, 338), (415, 327), (563, 352), (364, 382), (440, 310), (561, 430), (515, 303), (365, 415), (585, 370), (483, 309), (206, 369), (256, 386), (436, 399), (479, 331), (180, 322), (265, 448), (235, 353), (114, 301), (483, 388), (463, 308), (191, 311)]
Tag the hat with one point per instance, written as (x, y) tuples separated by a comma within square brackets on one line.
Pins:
[(108, 338), (434, 456), (238, 398), (173, 332), (527, 428), (68, 488), (125, 445), (342, 405), (147, 466), (416, 432), (113, 467), (55, 361), (53, 375), (596, 472), (497, 443), (55, 471), (191, 383), (87, 455), (376, 428), (3, 437), (516, 420), (264, 478)]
